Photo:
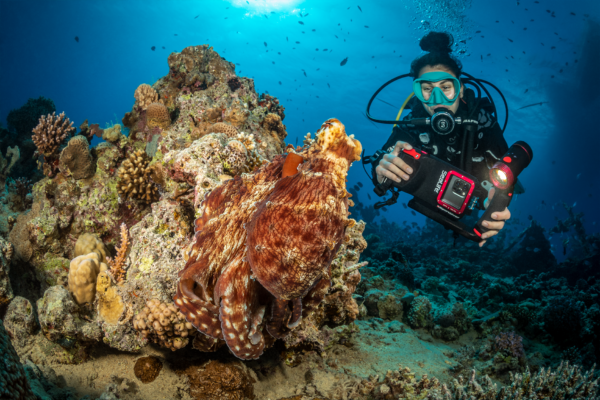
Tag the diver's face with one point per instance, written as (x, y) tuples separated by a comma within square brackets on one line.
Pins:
[(446, 86)]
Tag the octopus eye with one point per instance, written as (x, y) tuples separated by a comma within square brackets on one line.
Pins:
[(206, 184), (258, 248)]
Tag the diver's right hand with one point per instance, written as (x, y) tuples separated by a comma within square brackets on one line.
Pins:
[(392, 167)]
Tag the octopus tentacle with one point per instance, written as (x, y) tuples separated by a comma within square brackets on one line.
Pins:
[(200, 313), (296, 313), (280, 314), (315, 296), (240, 312)]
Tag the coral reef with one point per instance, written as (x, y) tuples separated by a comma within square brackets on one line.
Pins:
[(6, 292), (13, 380), (147, 369), (21, 122), (117, 266), (164, 324), (49, 134), (157, 116), (76, 160), (251, 212), (135, 178), (144, 96), (83, 274), (217, 380)]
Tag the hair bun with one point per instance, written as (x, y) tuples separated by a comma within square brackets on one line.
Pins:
[(437, 42)]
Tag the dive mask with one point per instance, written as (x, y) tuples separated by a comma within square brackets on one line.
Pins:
[(437, 96)]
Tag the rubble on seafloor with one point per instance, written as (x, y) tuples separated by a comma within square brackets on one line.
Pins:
[(91, 254)]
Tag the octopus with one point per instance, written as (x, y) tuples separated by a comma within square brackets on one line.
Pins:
[(263, 246)]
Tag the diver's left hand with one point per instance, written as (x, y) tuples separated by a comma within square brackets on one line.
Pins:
[(497, 224)]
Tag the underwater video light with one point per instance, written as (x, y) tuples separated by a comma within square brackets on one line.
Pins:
[(504, 172)]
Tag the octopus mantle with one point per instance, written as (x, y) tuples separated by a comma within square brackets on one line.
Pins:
[(264, 244)]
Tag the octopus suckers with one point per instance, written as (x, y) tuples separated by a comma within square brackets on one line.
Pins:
[(231, 335), (204, 326), (242, 338), (237, 348), (178, 301), (191, 315)]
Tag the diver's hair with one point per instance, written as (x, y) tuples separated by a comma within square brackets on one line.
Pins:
[(439, 46)]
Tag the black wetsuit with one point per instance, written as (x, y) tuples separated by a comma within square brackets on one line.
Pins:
[(489, 145)]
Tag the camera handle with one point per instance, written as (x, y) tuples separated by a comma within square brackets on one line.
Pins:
[(499, 202)]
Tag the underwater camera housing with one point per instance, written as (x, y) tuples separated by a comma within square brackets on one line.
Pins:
[(445, 193)]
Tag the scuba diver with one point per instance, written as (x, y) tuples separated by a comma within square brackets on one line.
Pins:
[(438, 88)]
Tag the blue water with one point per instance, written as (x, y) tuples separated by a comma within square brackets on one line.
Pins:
[(555, 59)]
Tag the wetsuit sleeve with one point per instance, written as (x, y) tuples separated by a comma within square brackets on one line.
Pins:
[(398, 134)]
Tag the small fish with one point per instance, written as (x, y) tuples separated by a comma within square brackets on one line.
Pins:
[(356, 188), (526, 90), (153, 48), (368, 196), (265, 44), (305, 73), (553, 162), (359, 184), (478, 32), (324, 49), (344, 61), (286, 39), (336, 36), (384, 209), (413, 213), (77, 39), (328, 86), (404, 205), (531, 105), (359, 8), (301, 23), (163, 47), (280, 82), (305, 15), (366, 26), (510, 40), (297, 42), (578, 175), (196, 16), (530, 217), (174, 34), (536, 250), (574, 204)]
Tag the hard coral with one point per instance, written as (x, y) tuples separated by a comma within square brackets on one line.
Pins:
[(419, 315), (220, 381), (272, 123), (147, 369), (562, 319), (294, 224), (50, 132), (157, 116), (12, 156), (144, 96), (163, 324), (221, 127), (90, 243), (83, 273), (76, 159), (13, 380), (134, 178)]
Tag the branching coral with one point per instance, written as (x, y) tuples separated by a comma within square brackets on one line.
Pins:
[(50, 133), (163, 324), (157, 116), (145, 95), (117, 266), (76, 159), (134, 178)]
